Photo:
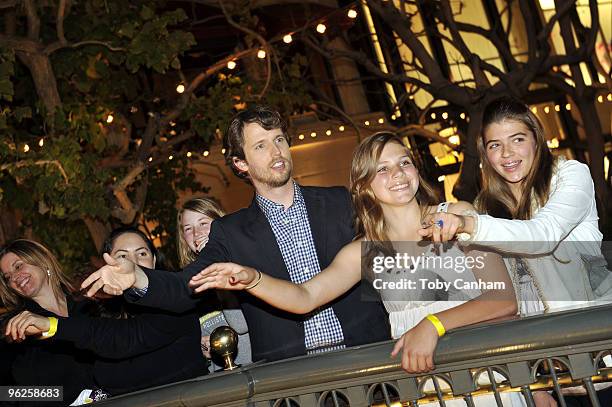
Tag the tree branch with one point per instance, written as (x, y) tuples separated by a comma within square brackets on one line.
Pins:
[(59, 21), (414, 129), (20, 44), (20, 164), (365, 61), (473, 61), (33, 20), (55, 46), (260, 39), (128, 211)]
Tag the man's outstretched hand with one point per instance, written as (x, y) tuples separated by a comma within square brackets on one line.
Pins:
[(114, 278), (226, 276)]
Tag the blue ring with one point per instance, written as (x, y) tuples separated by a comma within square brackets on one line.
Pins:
[(439, 223)]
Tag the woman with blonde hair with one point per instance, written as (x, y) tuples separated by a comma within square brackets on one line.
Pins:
[(82, 351), (194, 220), (32, 284)]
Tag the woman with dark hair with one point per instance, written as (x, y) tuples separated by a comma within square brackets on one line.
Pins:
[(142, 349), (537, 209), (390, 198)]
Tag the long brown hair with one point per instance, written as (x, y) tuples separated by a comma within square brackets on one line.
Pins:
[(35, 254), (496, 198), (205, 206), (370, 221)]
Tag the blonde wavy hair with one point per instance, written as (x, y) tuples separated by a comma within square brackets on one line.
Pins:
[(205, 206), (370, 221), (35, 254)]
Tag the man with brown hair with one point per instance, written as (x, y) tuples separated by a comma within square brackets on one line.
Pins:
[(289, 231)]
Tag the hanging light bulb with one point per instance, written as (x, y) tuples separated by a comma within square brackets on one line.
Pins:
[(26, 148), (301, 137), (287, 39), (321, 28), (170, 157), (188, 153), (352, 13), (231, 64), (206, 153), (328, 132), (41, 142), (261, 54), (341, 128), (109, 118), (180, 88)]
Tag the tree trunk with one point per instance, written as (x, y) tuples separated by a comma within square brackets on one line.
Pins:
[(593, 133), (467, 186), (40, 67), (10, 220), (97, 230)]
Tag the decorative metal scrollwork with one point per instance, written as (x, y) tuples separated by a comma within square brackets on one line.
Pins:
[(384, 392), (286, 402), (333, 398)]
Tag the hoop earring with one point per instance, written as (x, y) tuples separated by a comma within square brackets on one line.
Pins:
[(48, 273)]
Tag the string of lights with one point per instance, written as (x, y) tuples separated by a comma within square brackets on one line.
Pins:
[(320, 26)]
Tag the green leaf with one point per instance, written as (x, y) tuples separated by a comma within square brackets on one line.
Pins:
[(6, 69), (127, 30), (6, 86), (146, 13)]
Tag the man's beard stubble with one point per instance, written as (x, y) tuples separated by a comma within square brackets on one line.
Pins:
[(267, 177)]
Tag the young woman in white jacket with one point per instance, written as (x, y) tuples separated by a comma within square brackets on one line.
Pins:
[(536, 209)]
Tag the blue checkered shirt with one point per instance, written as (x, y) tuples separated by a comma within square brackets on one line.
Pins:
[(322, 329)]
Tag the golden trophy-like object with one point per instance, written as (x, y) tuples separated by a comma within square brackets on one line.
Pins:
[(224, 343)]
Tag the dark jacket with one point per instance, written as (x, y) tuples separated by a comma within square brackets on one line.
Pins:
[(148, 349), (52, 362), (245, 237)]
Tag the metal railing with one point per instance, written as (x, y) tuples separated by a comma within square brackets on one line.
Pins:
[(554, 351)]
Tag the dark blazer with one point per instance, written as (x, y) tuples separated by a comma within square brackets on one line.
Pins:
[(245, 237)]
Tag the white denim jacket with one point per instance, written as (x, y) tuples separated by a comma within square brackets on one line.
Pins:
[(555, 240)]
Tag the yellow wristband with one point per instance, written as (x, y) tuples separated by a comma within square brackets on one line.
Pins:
[(52, 328), (437, 324)]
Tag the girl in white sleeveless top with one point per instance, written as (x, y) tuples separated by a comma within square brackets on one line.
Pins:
[(390, 199)]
